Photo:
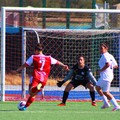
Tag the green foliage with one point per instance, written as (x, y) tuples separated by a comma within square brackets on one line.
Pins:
[(55, 3), (111, 2)]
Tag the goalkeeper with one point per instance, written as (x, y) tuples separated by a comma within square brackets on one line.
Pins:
[(80, 74)]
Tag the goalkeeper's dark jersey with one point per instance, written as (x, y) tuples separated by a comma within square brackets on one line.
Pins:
[(81, 74)]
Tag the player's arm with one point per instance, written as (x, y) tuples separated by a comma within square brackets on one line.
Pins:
[(63, 65), (57, 62), (27, 63), (114, 62), (67, 77), (116, 66), (104, 68), (91, 77), (21, 67)]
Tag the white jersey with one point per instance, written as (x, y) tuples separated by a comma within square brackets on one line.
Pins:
[(107, 75)]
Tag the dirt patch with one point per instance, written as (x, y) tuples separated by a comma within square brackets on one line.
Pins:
[(11, 79)]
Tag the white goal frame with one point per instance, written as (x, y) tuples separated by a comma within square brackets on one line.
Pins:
[(3, 30)]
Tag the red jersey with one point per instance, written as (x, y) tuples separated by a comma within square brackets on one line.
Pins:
[(42, 66)]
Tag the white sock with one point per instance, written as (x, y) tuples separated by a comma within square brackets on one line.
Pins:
[(105, 100), (114, 102)]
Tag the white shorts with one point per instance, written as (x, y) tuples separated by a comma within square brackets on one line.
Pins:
[(105, 85)]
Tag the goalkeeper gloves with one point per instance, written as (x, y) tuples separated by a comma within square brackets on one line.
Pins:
[(60, 83)]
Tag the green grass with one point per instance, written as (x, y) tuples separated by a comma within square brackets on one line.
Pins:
[(50, 111)]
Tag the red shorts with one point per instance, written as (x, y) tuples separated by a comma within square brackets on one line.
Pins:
[(42, 79)]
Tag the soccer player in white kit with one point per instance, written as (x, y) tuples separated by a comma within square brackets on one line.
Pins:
[(107, 63)]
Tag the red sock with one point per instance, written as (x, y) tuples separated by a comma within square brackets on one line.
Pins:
[(29, 101), (34, 89)]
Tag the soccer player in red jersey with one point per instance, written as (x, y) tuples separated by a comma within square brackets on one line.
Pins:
[(42, 65)]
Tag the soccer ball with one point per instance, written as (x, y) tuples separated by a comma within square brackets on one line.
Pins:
[(21, 104)]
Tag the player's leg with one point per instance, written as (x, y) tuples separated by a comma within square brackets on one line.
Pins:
[(39, 84), (112, 100), (110, 97), (90, 86), (100, 85), (35, 88), (66, 94), (42, 91), (33, 91)]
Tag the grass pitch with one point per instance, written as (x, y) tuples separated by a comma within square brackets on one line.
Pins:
[(50, 111)]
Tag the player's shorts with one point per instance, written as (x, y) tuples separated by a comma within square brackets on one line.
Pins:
[(76, 83), (105, 85), (34, 82)]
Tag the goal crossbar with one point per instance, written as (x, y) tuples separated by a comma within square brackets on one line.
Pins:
[(60, 10)]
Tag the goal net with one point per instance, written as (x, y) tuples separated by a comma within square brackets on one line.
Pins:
[(64, 34)]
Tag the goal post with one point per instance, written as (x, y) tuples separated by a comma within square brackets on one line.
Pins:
[(3, 35), (24, 46), (18, 40)]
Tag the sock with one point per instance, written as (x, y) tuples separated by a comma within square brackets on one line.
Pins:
[(65, 96), (92, 95), (34, 89), (29, 101), (105, 100), (114, 102)]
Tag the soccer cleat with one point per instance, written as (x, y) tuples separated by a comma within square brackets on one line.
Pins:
[(93, 103), (116, 108), (39, 86), (23, 109), (61, 104), (105, 106)]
